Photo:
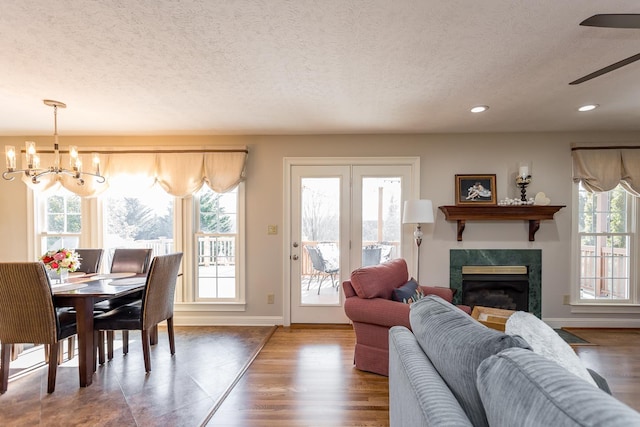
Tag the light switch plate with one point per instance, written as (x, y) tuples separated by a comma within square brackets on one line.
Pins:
[(272, 229)]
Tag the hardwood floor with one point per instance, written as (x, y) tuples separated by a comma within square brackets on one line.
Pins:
[(616, 356), (303, 376)]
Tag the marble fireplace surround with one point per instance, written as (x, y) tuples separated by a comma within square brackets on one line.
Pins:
[(532, 258)]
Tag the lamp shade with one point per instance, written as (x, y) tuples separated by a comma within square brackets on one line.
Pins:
[(417, 212)]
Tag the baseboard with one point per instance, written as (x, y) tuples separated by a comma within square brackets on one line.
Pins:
[(210, 319), (592, 323)]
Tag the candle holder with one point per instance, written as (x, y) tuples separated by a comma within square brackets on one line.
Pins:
[(522, 182)]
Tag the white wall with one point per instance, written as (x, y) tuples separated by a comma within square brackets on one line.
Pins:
[(442, 156)]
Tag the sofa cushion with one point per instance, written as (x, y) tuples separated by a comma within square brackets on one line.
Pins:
[(379, 281), (405, 291), (417, 394), (546, 342), (456, 344), (522, 388)]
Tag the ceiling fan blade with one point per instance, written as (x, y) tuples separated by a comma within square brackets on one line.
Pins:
[(620, 20), (607, 69)]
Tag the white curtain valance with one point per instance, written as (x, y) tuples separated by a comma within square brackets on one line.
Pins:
[(602, 168), (179, 172)]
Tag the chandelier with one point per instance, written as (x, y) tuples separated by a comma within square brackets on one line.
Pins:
[(34, 171)]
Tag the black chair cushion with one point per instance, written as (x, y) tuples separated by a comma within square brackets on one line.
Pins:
[(125, 317), (114, 303), (67, 322)]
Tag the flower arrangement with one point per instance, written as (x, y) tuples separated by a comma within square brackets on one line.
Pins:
[(61, 259)]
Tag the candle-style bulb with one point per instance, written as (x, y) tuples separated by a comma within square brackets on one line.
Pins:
[(73, 156), (10, 154), (96, 162), (30, 150)]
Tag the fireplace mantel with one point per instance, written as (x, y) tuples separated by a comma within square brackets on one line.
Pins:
[(532, 213)]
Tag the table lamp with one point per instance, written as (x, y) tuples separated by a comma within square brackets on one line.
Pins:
[(418, 212)]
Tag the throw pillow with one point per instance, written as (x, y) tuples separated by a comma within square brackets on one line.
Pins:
[(546, 342), (456, 344), (417, 296), (405, 291), (521, 388)]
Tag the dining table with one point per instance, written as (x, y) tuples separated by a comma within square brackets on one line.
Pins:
[(81, 293)]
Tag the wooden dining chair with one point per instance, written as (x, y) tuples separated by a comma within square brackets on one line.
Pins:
[(27, 315), (90, 260), (156, 306), (124, 260), (130, 260)]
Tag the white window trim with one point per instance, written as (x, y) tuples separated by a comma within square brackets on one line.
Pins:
[(36, 218), (186, 299), (632, 305), (184, 216)]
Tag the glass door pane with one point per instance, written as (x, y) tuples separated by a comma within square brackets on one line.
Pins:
[(381, 223), (320, 239)]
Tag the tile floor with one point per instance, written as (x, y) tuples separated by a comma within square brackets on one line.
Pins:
[(180, 390)]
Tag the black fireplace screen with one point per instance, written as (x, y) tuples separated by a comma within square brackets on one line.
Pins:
[(498, 290)]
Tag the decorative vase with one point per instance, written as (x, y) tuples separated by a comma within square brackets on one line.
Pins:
[(58, 276)]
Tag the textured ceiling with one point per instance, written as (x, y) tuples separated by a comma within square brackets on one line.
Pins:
[(301, 66)]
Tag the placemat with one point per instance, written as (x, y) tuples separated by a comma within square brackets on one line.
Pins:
[(128, 281), (66, 287)]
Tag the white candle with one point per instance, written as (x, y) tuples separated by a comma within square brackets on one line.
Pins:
[(524, 171)]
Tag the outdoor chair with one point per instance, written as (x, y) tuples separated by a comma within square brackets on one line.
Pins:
[(371, 255), (321, 268)]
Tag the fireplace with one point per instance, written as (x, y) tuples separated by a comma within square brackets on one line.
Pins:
[(505, 287), (520, 265)]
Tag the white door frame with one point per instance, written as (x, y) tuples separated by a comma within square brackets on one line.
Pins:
[(289, 162)]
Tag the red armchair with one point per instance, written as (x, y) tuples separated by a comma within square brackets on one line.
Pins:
[(369, 305)]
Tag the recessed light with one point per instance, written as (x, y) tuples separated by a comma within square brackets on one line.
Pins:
[(588, 107), (479, 108)]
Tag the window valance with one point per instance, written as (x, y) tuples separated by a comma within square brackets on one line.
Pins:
[(602, 167), (179, 172)]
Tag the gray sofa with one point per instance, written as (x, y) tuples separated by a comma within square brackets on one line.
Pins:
[(454, 371)]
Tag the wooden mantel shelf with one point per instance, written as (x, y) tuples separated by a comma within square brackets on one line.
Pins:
[(532, 213)]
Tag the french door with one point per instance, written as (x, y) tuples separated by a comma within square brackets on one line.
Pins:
[(341, 216)]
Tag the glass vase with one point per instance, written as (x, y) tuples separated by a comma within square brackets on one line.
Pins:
[(56, 276)]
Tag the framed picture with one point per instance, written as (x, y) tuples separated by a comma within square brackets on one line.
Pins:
[(476, 189)]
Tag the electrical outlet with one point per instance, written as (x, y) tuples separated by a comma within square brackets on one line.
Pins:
[(271, 299), (272, 229), (566, 299)]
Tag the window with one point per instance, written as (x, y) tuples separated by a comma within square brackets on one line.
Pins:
[(207, 228), (606, 247), (216, 245), (61, 221), (142, 221)]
